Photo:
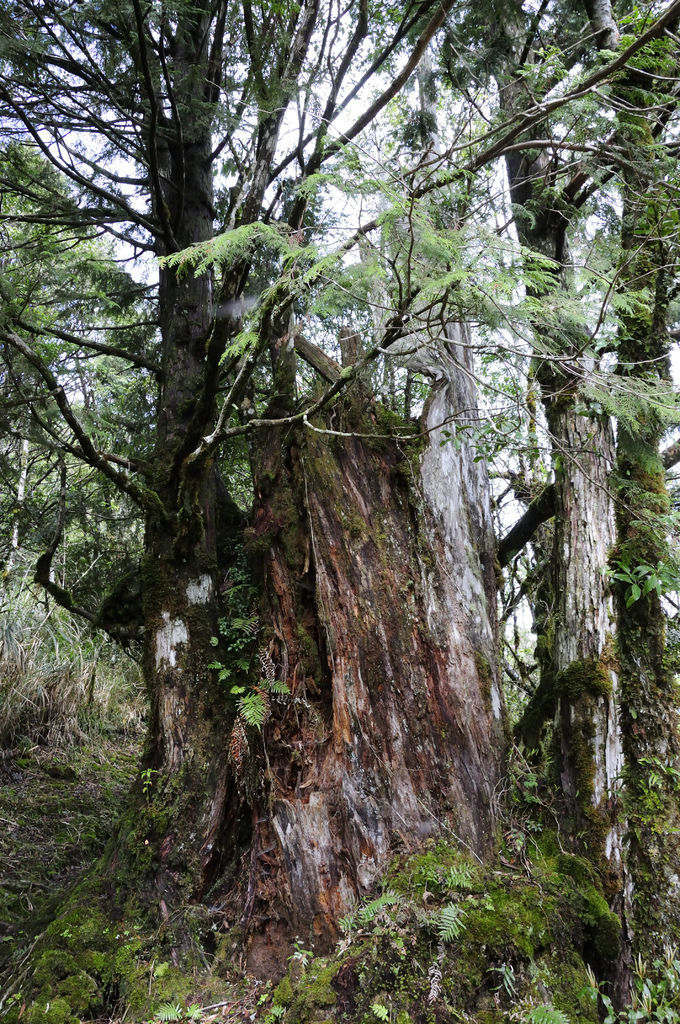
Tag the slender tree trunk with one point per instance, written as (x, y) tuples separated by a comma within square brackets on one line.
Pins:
[(576, 649), (21, 496), (649, 699)]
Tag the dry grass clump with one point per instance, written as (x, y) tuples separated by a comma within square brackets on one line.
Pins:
[(60, 683)]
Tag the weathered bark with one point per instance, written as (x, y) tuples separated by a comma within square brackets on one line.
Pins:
[(575, 649), (649, 700), (583, 663), (379, 569), (579, 629)]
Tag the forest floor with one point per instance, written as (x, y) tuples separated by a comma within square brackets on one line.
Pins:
[(58, 809), (449, 939)]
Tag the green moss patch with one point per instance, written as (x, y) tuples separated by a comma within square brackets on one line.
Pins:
[(522, 940)]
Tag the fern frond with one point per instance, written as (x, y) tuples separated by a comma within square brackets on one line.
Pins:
[(367, 913), (459, 876), (278, 687), (168, 1012), (546, 1015), (450, 923), (347, 923), (253, 708)]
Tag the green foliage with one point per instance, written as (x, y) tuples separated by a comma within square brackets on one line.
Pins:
[(506, 978), (169, 1012), (660, 775), (147, 777), (366, 914), (656, 992), (238, 635), (458, 876), (450, 922), (253, 708), (641, 580), (545, 1015), (276, 1012), (238, 629), (230, 248)]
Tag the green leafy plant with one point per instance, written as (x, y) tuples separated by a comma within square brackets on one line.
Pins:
[(253, 705), (301, 955), (506, 978), (656, 992), (546, 1015), (660, 773), (380, 1011), (641, 580), (238, 635), (458, 876), (168, 1012), (146, 776), (450, 922), (367, 913), (276, 1012)]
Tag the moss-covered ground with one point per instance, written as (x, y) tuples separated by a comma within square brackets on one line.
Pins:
[(445, 938), (56, 814), (519, 938)]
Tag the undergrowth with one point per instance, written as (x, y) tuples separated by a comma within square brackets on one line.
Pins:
[(519, 939), (60, 682)]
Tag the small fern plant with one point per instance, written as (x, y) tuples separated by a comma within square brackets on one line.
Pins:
[(546, 1015), (450, 922), (458, 876), (168, 1012), (366, 914), (253, 704)]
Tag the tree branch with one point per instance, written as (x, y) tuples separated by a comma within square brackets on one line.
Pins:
[(95, 346), (144, 497), (671, 456), (397, 83), (43, 566), (540, 509), (317, 359)]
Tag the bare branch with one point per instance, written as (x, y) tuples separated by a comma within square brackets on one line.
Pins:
[(541, 509)]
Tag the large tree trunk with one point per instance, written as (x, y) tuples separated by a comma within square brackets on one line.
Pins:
[(380, 617), (583, 662), (376, 562), (649, 697)]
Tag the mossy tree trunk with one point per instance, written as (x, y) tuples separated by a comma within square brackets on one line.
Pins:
[(582, 663), (375, 564), (649, 695), (577, 691), (379, 615)]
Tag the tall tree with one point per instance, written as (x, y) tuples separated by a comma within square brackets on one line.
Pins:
[(320, 643), (376, 691)]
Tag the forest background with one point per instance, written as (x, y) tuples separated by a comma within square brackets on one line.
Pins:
[(302, 306)]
